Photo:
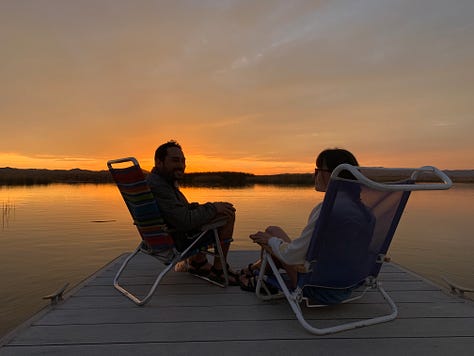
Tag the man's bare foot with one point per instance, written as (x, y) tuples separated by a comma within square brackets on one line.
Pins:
[(181, 266)]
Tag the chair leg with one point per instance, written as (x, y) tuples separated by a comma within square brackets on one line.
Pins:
[(217, 253), (160, 276), (348, 326), (218, 246), (121, 269), (266, 259), (128, 294), (294, 302)]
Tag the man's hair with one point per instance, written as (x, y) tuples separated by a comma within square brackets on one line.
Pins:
[(331, 158), (162, 151)]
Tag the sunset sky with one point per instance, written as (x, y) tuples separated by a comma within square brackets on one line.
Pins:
[(253, 86)]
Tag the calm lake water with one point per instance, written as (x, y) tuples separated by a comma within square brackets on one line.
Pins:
[(55, 234)]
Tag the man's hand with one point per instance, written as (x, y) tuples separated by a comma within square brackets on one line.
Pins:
[(224, 208)]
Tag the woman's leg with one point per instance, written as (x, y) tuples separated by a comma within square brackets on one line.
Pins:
[(292, 274), (274, 231)]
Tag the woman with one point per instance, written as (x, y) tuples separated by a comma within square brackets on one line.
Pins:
[(291, 253)]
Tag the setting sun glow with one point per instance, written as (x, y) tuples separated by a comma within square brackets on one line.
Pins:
[(257, 87)]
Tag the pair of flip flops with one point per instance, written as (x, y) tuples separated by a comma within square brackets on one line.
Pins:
[(213, 274), (248, 282), (217, 275), (248, 278)]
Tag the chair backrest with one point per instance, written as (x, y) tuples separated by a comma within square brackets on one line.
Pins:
[(132, 184), (357, 222)]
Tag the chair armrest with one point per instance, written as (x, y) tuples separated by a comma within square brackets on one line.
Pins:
[(444, 181), (215, 223)]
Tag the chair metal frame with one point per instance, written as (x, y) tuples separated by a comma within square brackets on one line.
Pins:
[(295, 297), (169, 257)]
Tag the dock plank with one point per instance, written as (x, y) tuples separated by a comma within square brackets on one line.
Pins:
[(386, 347), (211, 331), (248, 312), (187, 315)]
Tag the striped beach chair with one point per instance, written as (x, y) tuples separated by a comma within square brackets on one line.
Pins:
[(357, 222), (156, 238)]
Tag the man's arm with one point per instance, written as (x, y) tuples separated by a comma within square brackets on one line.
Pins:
[(176, 210)]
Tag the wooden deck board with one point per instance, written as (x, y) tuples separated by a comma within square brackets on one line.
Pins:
[(385, 347), (189, 316), (248, 312), (211, 331)]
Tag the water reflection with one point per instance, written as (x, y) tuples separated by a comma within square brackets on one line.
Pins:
[(260, 206), (50, 234), (8, 212)]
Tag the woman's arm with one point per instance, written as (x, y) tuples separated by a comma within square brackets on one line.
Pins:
[(289, 252)]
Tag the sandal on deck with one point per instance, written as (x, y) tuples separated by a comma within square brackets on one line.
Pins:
[(217, 275), (232, 273), (251, 284), (197, 269), (250, 270)]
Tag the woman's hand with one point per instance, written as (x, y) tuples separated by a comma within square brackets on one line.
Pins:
[(261, 238), (277, 232)]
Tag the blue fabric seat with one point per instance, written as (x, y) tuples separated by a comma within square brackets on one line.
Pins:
[(351, 238)]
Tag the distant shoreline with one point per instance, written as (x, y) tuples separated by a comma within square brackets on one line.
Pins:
[(16, 176)]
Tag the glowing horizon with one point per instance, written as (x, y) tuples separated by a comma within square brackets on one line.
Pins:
[(257, 87), (199, 163)]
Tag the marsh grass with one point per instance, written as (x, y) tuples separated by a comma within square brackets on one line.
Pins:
[(8, 211)]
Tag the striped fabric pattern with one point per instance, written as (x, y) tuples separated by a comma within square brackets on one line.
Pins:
[(143, 207)]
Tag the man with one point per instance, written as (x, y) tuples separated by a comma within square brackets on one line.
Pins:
[(187, 218)]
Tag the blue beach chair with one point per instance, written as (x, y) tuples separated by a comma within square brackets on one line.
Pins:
[(350, 241), (156, 237)]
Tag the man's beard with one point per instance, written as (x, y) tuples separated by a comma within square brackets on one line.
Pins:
[(172, 176), (178, 174)]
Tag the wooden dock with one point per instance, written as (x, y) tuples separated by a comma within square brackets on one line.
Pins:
[(187, 316)]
